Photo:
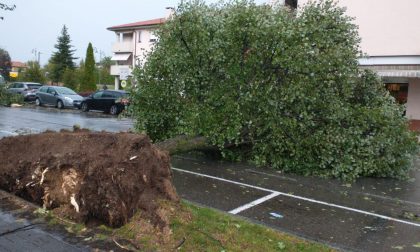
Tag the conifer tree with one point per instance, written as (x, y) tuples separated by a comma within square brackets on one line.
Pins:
[(88, 81), (63, 57)]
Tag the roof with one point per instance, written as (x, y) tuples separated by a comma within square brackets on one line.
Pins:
[(18, 64), (139, 24)]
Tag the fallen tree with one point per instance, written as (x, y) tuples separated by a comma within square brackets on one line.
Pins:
[(273, 87), (89, 176)]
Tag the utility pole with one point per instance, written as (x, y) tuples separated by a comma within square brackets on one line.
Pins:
[(39, 58)]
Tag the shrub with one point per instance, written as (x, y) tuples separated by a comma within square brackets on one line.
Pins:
[(274, 87), (6, 99)]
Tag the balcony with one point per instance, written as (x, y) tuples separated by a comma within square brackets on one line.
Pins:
[(120, 47), (118, 69)]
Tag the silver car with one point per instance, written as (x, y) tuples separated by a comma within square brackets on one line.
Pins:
[(26, 89), (60, 97)]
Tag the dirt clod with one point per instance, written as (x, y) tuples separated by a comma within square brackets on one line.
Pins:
[(89, 176)]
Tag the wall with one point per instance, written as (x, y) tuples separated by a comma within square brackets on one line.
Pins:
[(387, 27), (145, 45), (413, 100)]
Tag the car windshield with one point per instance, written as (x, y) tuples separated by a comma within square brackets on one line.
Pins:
[(65, 91), (34, 86)]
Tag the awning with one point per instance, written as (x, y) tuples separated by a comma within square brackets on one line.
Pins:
[(399, 73), (121, 56)]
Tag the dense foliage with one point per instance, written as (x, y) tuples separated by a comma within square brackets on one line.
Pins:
[(33, 73), (5, 63), (6, 98), (275, 87), (70, 79), (63, 57), (88, 80)]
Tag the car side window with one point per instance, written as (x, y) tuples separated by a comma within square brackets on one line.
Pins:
[(43, 89), (12, 85), (19, 85), (51, 90), (98, 95), (107, 94)]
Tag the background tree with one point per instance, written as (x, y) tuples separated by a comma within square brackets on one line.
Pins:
[(266, 85), (70, 79), (5, 63), (6, 8), (63, 57), (33, 73), (105, 71), (89, 81)]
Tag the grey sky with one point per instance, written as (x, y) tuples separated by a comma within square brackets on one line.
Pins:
[(36, 24)]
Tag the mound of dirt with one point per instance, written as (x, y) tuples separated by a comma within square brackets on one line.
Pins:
[(88, 176)]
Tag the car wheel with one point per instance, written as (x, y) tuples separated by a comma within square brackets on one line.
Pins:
[(113, 110), (60, 104), (38, 102), (85, 107)]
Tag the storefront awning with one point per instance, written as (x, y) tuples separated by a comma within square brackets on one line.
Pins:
[(399, 73), (121, 56)]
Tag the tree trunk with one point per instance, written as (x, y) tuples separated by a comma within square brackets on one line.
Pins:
[(184, 144)]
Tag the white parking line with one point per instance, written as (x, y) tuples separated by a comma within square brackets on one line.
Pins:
[(299, 197), (254, 203)]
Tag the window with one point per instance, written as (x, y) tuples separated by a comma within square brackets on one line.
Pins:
[(139, 36), (291, 3), (153, 38), (43, 89), (107, 94), (98, 95), (51, 90), (399, 91)]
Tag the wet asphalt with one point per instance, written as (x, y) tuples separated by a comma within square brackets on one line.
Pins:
[(369, 215)]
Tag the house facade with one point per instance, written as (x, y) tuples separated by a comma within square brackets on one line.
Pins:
[(391, 39), (133, 42)]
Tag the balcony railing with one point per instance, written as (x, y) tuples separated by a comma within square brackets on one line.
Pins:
[(117, 69), (120, 47)]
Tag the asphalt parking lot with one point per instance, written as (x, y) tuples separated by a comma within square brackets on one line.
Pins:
[(369, 215)]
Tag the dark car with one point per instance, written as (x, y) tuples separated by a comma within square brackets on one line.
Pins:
[(26, 89), (109, 101)]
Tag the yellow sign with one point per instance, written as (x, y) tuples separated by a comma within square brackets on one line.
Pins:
[(123, 84), (13, 74)]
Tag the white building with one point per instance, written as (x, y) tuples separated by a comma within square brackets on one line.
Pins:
[(133, 42), (391, 38)]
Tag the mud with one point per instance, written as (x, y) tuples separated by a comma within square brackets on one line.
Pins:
[(86, 176)]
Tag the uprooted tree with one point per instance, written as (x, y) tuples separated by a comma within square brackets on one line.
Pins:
[(274, 87)]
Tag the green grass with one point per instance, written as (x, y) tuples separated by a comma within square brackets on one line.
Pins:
[(211, 230), (194, 228)]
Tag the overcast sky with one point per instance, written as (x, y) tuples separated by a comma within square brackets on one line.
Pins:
[(36, 24)]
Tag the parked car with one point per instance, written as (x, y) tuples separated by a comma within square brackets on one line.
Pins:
[(109, 101), (60, 97), (26, 89)]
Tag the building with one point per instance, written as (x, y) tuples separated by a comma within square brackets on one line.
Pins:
[(133, 42), (17, 67), (391, 39)]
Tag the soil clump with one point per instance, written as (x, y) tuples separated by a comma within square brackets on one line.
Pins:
[(89, 176)]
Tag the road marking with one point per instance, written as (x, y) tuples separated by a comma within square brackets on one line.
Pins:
[(254, 203), (301, 198)]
